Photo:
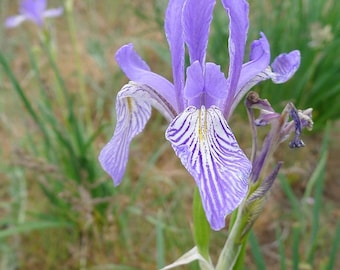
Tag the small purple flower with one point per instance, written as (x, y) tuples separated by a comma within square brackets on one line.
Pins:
[(198, 103), (33, 10)]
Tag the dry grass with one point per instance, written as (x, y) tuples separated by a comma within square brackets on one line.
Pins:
[(163, 192)]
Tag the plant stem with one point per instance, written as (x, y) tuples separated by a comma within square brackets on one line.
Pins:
[(232, 247)]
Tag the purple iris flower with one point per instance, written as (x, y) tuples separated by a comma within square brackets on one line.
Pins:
[(197, 103), (33, 10)]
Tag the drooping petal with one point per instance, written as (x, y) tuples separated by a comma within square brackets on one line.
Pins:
[(132, 116), (208, 149), (174, 34), (137, 70), (53, 12), (285, 65), (197, 16), (238, 28), (133, 110), (14, 21)]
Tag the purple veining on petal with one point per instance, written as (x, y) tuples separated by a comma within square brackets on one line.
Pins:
[(208, 149), (137, 70), (132, 116)]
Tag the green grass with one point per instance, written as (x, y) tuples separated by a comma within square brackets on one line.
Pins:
[(57, 111)]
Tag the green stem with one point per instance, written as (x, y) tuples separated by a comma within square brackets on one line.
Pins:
[(232, 247), (201, 226), (239, 264)]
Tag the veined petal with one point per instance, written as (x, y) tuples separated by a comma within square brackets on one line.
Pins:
[(14, 21), (197, 16), (174, 34), (53, 12), (137, 70), (146, 93), (284, 66), (251, 71), (238, 28), (133, 110), (259, 61), (208, 149)]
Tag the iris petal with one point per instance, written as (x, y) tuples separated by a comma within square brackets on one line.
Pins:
[(215, 82), (208, 149), (284, 66), (133, 110), (238, 28), (53, 12), (197, 16), (194, 85), (137, 70), (33, 10), (14, 21), (174, 33), (259, 61)]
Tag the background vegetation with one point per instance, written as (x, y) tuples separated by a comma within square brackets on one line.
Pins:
[(59, 210)]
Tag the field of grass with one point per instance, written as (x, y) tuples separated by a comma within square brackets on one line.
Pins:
[(59, 209)]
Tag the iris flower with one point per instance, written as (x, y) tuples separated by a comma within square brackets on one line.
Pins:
[(33, 10), (197, 103)]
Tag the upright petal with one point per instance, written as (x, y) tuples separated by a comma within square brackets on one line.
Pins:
[(137, 70), (174, 34), (259, 61), (33, 10), (208, 149), (197, 17), (238, 28), (40, 5)]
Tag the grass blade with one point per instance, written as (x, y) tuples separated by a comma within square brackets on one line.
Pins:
[(30, 226), (295, 247), (334, 252), (256, 251)]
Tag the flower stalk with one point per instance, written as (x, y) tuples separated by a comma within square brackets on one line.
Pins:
[(198, 103)]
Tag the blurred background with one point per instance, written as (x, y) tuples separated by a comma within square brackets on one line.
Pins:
[(59, 210)]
